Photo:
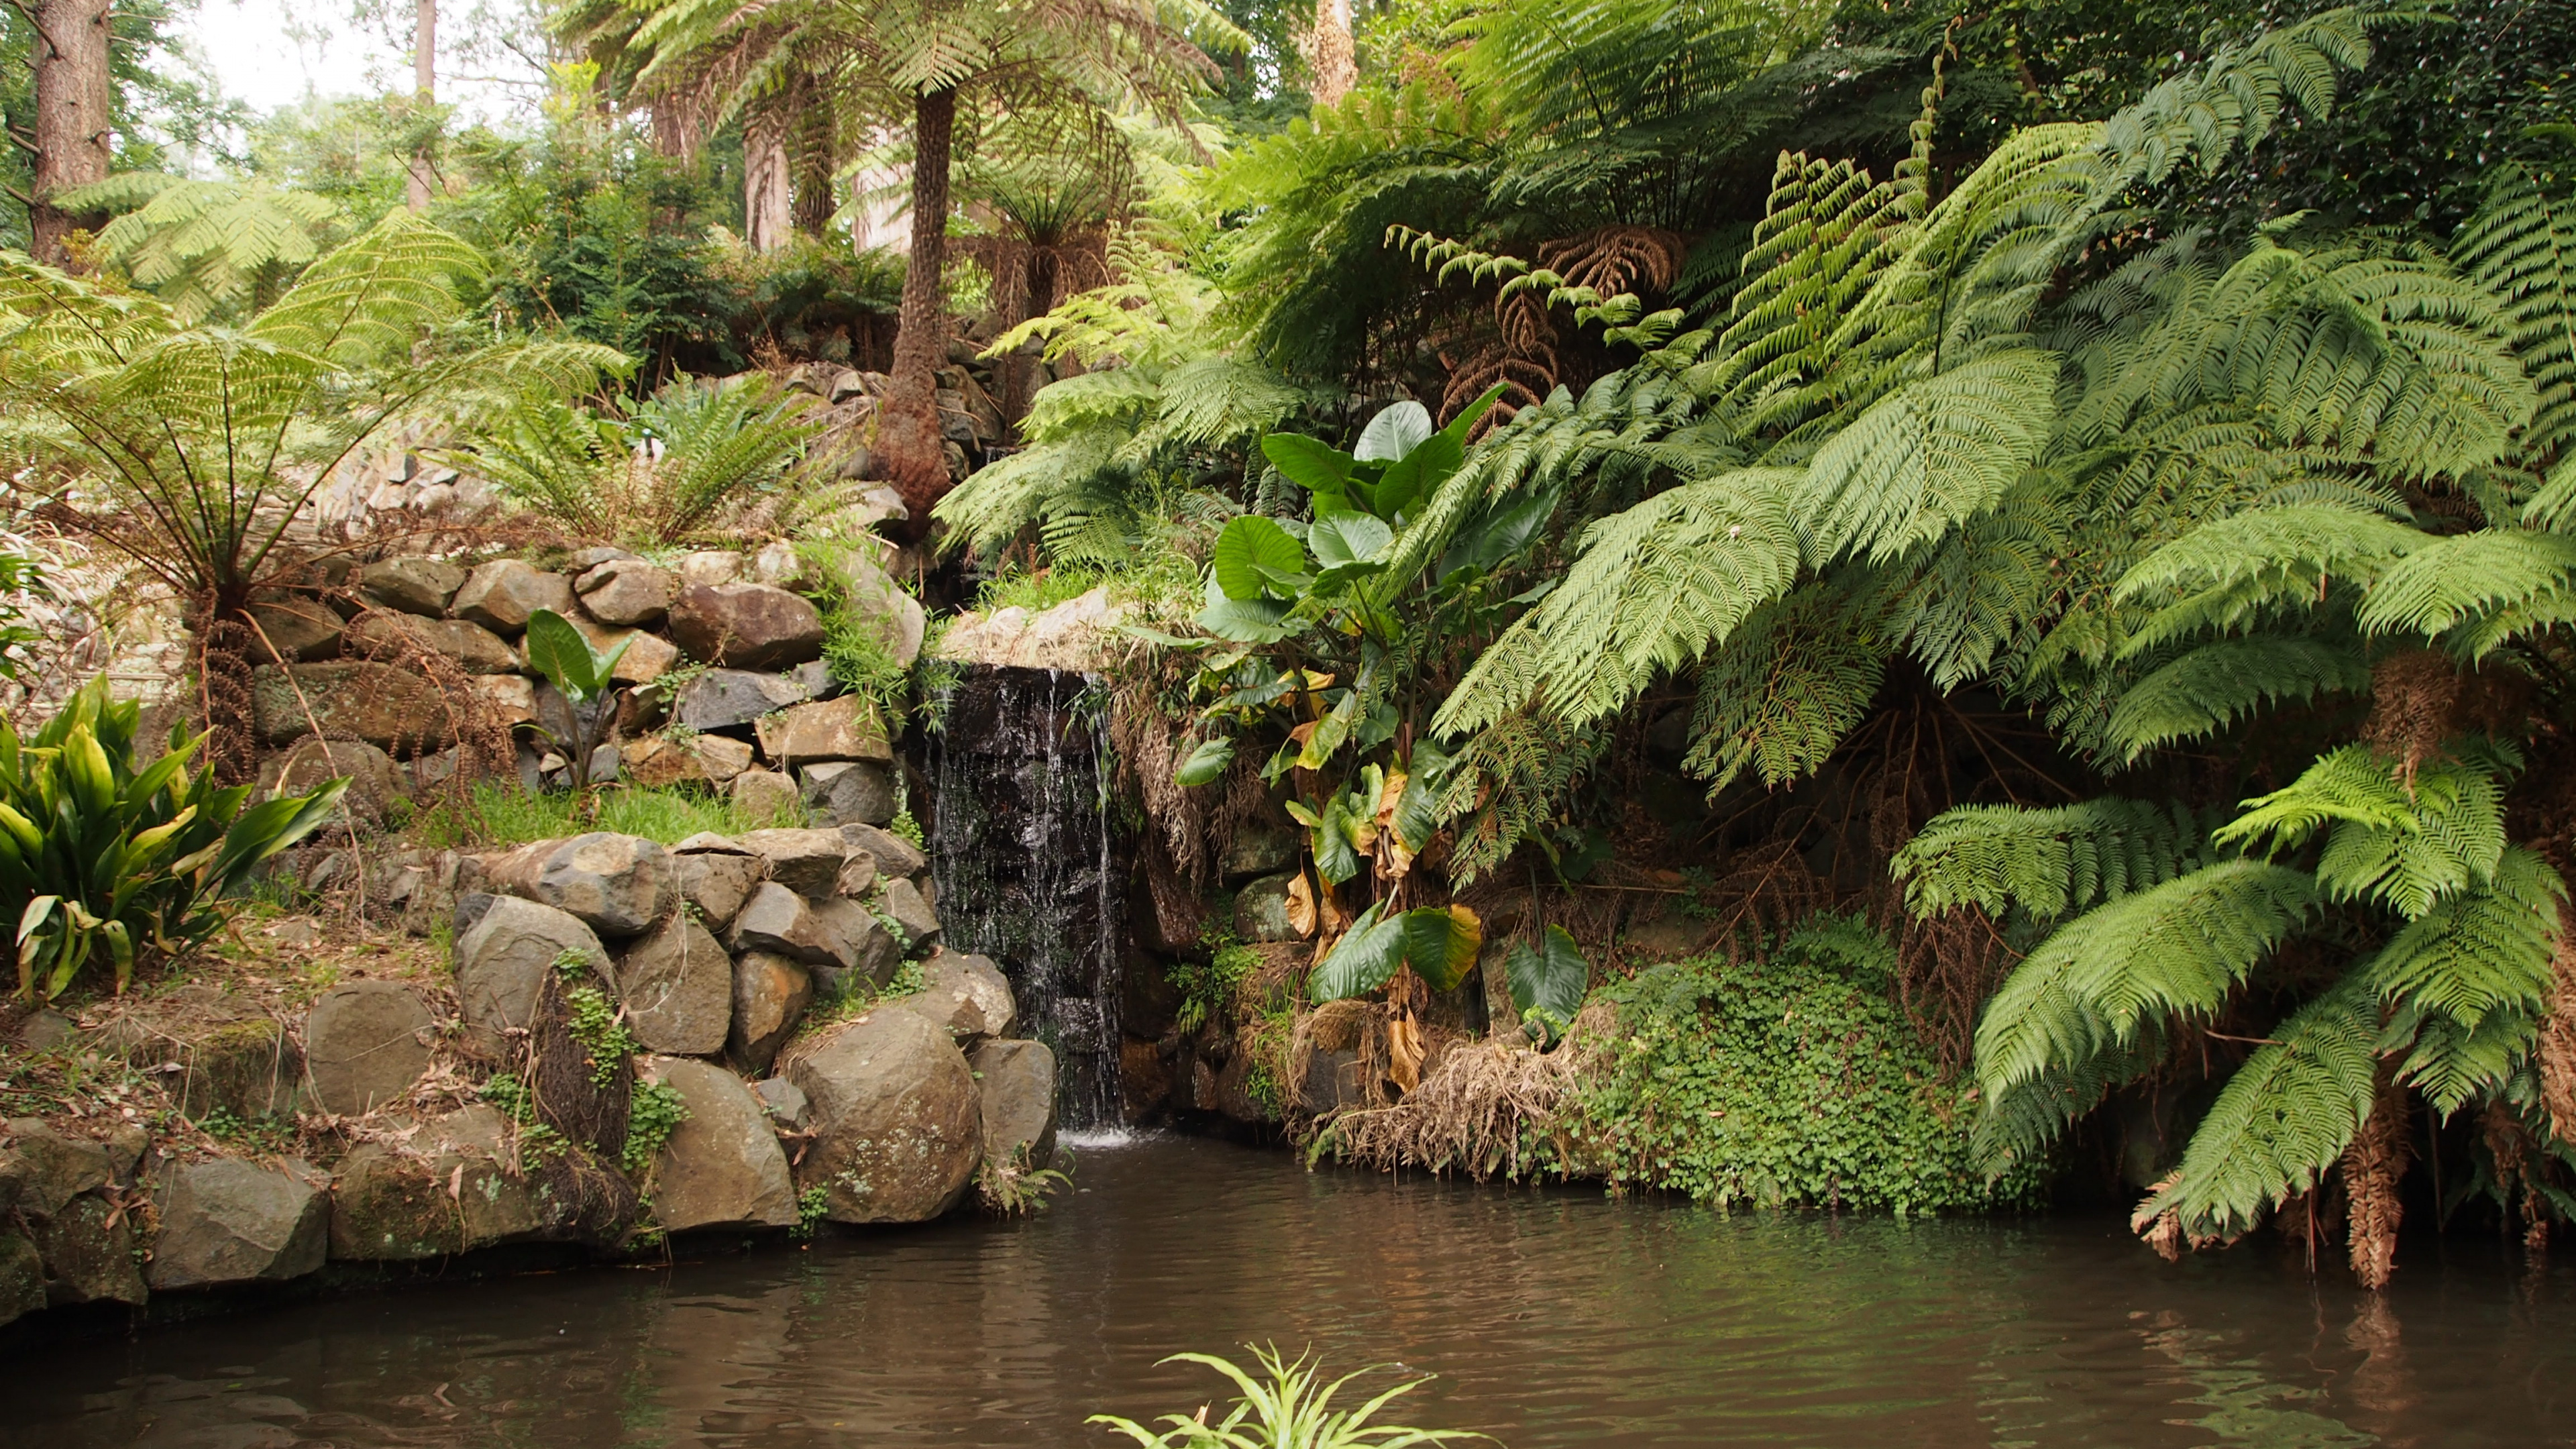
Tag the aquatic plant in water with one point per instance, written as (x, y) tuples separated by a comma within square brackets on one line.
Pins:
[(1290, 1407)]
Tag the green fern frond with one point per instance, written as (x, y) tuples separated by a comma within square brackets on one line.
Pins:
[(2178, 949), (2047, 862), (2281, 1121), (2219, 683), (2480, 951), (2447, 582), (2521, 246), (1926, 457), (2453, 1064), (2405, 840), (1656, 586), (1779, 696), (2231, 569)]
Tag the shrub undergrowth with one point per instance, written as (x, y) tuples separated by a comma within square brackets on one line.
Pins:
[(505, 815), (1787, 1079)]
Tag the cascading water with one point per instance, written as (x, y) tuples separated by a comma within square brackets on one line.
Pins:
[(1020, 845)]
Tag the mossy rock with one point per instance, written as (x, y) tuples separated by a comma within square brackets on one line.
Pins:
[(22, 1279), (388, 1207), (250, 1069)]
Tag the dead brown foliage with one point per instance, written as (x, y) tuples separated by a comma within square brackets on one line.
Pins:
[(2372, 1165)]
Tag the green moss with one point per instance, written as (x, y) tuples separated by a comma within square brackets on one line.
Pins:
[(1789, 1079), (498, 815)]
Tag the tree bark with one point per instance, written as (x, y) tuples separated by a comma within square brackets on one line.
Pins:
[(74, 126), (766, 219), (1333, 57), (424, 85), (908, 428)]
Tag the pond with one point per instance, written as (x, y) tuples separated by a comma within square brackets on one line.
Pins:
[(1554, 1317)]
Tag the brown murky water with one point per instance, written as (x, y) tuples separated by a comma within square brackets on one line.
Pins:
[(1554, 1318)]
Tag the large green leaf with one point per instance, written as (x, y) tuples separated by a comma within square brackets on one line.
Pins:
[(558, 651), (1362, 961), (1250, 552), (1548, 983), (1205, 763), (1310, 463), (1398, 429), (1245, 621), (1343, 539), (1441, 942), (1416, 473)]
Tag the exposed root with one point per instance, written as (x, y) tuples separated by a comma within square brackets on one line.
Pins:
[(1486, 1108)]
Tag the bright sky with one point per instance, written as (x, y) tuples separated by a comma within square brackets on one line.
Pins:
[(273, 53)]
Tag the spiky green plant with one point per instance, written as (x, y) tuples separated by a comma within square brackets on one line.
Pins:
[(213, 250), (1289, 1406)]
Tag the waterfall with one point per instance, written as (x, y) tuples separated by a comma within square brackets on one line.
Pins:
[(1020, 846)]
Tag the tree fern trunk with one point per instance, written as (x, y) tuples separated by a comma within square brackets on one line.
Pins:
[(765, 182), (2556, 1057), (908, 430), (1331, 56), (73, 116), (2372, 1167), (424, 85)]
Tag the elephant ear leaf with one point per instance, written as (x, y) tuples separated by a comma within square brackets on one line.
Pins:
[(1441, 942), (1310, 463), (1548, 982), (558, 651), (1398, 429), (1206, 762), (1362, 961), (1252, 554)]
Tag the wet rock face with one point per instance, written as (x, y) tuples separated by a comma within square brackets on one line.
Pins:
[(897, 1118), (746, 626), (226, 1221), (502, 963), (365, 1044), (723, 1167), (676, 985), (1017, 1083)]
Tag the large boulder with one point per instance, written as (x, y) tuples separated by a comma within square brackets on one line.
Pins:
[(22, 1278), (1261, 910), (871, 595), (723, 1167), (723, 699), (779, 920), (395, 709), (617, 884), (715, 883), (296, 628), (375, 782), (840, 791), (864, 949), (502, 962), (641, 657), (770, 993), (388, 634), (746, 626), (846, 728), (895, 856), (966, 997), (461, 1184), (365, 1044), (897, 1120), (1016, 1080), (656, 762), (627, 592), (504, 700), (226, 1221), (391, 1206), (503, 593), (902, 901), (413, 585), (765, 795), (676, 985), (51, 1168), (710, 566), (88, 1252), (249, 1068), (807, 862)]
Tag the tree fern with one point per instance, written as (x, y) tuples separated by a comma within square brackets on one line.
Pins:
[(1779, 696), (1926, 458), (2281, 1121), (2175, 949), (208, 248), (1655, 587), (2481, 951), (2450, 581), (2218, 683), (2404, 838), (2521, 246), (2229, 570), (2047, 862)]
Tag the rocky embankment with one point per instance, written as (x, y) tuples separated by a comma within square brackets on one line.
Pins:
[(745, 1035)]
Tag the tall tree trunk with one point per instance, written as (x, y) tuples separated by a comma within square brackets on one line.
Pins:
[(424, 86), (73, 128), (1333, 57), (675, 132), (766, 201), (908, 428)]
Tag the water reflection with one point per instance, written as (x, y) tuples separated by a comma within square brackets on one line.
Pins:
[(1553, 1318)]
